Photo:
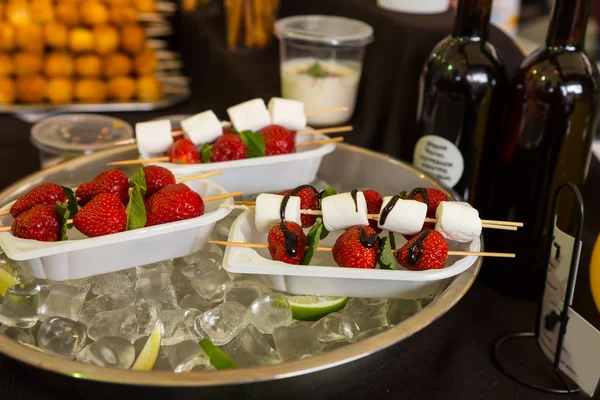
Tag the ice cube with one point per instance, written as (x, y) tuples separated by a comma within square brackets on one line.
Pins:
[(187, 356), (270, 311), (224, 322), (251, 349), (111, 283), (108, 351), (121, 322), (335, 327), (243, 295), (62, 336), (107, 302), (64, 301), (21, 335), (20, 306), (367, 313), (371, 332), (163, 267), (188, 326), (157, 288), (195, 301), (208, 278), (296, 341), (208, 251), (182, 285), (400, 310), (172, 320), (146, 316)]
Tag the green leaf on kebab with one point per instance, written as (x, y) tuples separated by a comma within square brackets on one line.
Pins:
[(312, 241), (316, 71), (65, 214), (326, 193), (206, 153), (385, 257), (392, 240), (138, 180), (136, 210), (71, 201), (255, 144), (402, 194)]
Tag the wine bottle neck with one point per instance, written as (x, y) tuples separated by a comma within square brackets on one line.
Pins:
[(472, 18), (568, 23)]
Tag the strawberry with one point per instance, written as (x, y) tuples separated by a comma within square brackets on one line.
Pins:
[(277, 243), (431, 253), (40, 222), (309, 200), (349, 250), (374, 202), (156, 178), (111, 181), (46, 193), (431, 197), (228, 147), (278, 140), (173, 202), (184, 151), (103, 215)]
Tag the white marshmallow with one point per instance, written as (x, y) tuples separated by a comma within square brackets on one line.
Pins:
[(251, 115), (202, 128), (153, 137), (267, 212), (406, 217), (287, 113), (340, 212), (458, 221)]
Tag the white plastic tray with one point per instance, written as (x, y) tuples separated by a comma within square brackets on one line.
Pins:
[(80, 256), (263, 174), (323, 277)]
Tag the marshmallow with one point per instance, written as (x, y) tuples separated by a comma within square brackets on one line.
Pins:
[(458, 221), (251, 115), (406, 216), (287, 113), (153, 137), (202, 128), (267, 212), (340, 211)]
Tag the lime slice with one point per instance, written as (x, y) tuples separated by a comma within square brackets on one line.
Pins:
[(147, 358), (311, 308), (6, 281), (218, 358)]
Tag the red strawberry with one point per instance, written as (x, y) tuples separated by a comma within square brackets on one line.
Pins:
[(103, 215), (374, 202), (40, 222), (277, 243), (278, 140), (111, 181), (431, 197), (184, 151), (309, 200), (349, 250), (46, 193), (156, 178), (228, 147), (174, 202), (432, 253)]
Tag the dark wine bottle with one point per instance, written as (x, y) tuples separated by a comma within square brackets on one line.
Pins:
[(462, 96), (552, 116)]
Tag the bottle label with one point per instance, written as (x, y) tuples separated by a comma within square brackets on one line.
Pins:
[(440, 158)]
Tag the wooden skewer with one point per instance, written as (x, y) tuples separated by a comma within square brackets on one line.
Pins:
[(450, 253), (319, 142), (325, 111), (326, 131)]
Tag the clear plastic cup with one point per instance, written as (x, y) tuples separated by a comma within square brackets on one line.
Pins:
[(321, 61), (64, 137)]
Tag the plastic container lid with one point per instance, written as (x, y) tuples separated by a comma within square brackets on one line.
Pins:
[(84, 133), (334, 31)]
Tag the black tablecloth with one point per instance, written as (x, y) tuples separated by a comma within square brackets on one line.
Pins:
[(449, 359)]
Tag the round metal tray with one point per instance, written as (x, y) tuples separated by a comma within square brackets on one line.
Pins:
[(347, 168)]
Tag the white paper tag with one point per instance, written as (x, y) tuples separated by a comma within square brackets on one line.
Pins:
[(440, 158)]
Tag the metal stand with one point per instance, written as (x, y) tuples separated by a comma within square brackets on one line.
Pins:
[(552, 319)]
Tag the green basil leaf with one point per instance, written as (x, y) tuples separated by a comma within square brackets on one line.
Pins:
[(206, 153), (138, 180), (71, 201), (316, 71), (312, 241), (136, 210), (402, 194), (385, 257), (255, 144), (64, 213)]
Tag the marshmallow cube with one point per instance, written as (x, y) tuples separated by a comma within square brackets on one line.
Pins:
[(153, 137), (406, 217), (202, 128), (251, 115), (267, 212), (458, 221), (287, 113), (340, 212)]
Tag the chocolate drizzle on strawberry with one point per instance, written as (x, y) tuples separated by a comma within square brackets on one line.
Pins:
[(367, 241), (353, 194), (291, 240), (422, 192), (387, 209), (416, 249)]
